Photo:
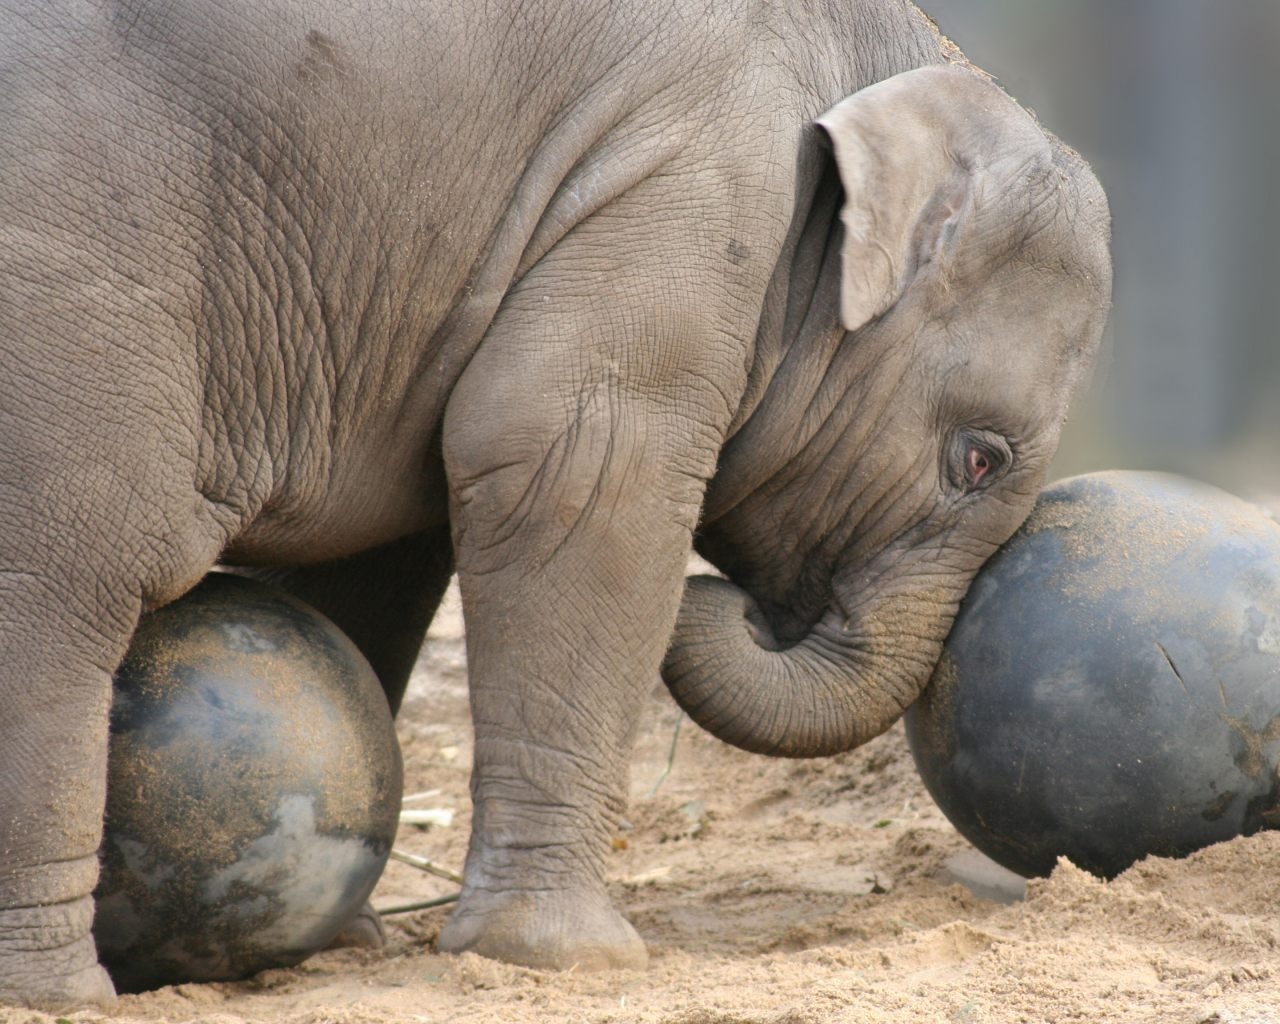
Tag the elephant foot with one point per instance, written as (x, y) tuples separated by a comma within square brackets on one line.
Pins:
[(65, 978), (364, 931), (547, 929)]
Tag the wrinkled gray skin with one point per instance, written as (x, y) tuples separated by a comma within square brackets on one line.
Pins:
[(543, 292)]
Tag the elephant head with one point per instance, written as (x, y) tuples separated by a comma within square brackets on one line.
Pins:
[(943, 293)]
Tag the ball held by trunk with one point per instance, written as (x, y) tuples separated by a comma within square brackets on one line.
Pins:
[(1111, 686)]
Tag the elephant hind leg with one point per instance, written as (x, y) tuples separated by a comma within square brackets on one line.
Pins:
[(88, 540), (66, 627), (364, 931), (42, 972), (55, 693)]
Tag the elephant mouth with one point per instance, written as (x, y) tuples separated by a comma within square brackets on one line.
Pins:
[(779, 612), (846, 587), (761, 631)]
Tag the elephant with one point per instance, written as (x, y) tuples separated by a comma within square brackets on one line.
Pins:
[(547, 295)]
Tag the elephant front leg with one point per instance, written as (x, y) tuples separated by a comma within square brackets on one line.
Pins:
[(571, 558)]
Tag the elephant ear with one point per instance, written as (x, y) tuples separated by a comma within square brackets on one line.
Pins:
[(912, 152)]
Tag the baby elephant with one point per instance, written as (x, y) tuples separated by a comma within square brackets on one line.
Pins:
[(548, 293)]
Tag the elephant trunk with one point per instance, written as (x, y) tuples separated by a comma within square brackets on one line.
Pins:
[(843, 684)]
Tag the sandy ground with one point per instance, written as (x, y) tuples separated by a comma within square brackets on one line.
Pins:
[(777, 892)]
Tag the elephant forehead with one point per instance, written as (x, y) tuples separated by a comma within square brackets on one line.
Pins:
[(1042, 295), (1066, 241), (1009, 358), (1050, 216)]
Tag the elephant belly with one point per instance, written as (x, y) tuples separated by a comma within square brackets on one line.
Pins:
[(369, 505)]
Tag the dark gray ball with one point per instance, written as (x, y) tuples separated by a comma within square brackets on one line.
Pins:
[(1111, 686), (253, 792)]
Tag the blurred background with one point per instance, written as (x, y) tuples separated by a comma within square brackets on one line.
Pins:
[(1176, 103)]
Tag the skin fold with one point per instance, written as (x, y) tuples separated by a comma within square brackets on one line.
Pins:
[(546, 295)]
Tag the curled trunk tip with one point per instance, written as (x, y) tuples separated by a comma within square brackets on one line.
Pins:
[(826, 694)]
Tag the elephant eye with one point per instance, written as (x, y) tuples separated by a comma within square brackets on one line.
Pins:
[(977, 464), (976, 459)]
